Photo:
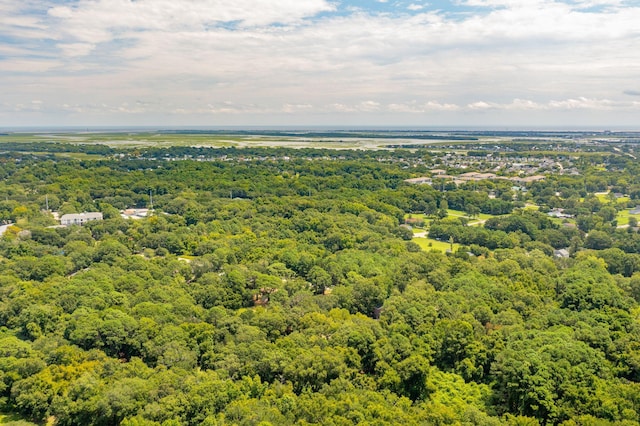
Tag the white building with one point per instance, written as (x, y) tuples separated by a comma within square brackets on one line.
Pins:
[(80, 218), (134, 213), (419, 181)]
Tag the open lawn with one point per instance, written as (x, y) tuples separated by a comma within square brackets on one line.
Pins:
[(605, 199), (623, 217), (430, 244), (451, 212), (417, 216), (560, 220), (459, 213), (477, 221)]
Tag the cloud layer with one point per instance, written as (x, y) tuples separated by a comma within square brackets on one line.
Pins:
[(213, 62)]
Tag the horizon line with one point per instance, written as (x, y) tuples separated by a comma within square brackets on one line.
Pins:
[(351, 128)]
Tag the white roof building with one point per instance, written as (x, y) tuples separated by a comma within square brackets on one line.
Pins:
[(134, 213), (419, 180), (80, 218)]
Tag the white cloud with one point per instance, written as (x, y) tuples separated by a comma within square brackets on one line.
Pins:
[(32, 106), (582, 103), (110, 16), (28, 66), (369, 106), (62, 12), (18, 22), (416, 108), (554, 105), (76, 49), (481, 105), (184, 57), (593, 3), (525, 104), (89, 23), (342, 108), (293, 108)]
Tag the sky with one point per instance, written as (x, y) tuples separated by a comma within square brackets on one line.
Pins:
[(342, 63)]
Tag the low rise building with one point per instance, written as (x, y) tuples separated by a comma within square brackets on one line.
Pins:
[(528, 179), (79, 218), (134, 213), (559, 213), (419, 181)]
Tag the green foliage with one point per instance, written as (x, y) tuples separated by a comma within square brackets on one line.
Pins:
[(265, 290), (548, 375)]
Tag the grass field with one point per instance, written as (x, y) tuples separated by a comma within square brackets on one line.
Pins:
[(214, 140), (443, 246), (560, 220), (604, 198), (479, 220), (623, 217), (416, 216), (430, 244), (459, 213), (341, 140), (132, 140)]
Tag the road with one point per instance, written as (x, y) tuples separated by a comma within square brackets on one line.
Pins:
[(3, 229)]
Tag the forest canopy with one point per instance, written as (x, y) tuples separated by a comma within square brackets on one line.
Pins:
[(281, 286)]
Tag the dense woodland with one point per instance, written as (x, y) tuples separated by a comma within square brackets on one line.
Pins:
[(277, 286)]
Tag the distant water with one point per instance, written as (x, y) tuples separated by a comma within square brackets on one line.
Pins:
[(126, 129)]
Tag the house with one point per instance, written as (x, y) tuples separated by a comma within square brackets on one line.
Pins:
[(481, 176), (134, 213), (79, 218), (419, 181), (563, 253), (468, 176), (475, 176), (528, 179), (635, 211), (559, 213)]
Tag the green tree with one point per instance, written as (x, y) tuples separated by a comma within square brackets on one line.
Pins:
[(598, 240)]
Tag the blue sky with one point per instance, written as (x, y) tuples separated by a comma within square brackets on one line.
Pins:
[(497, 63)]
